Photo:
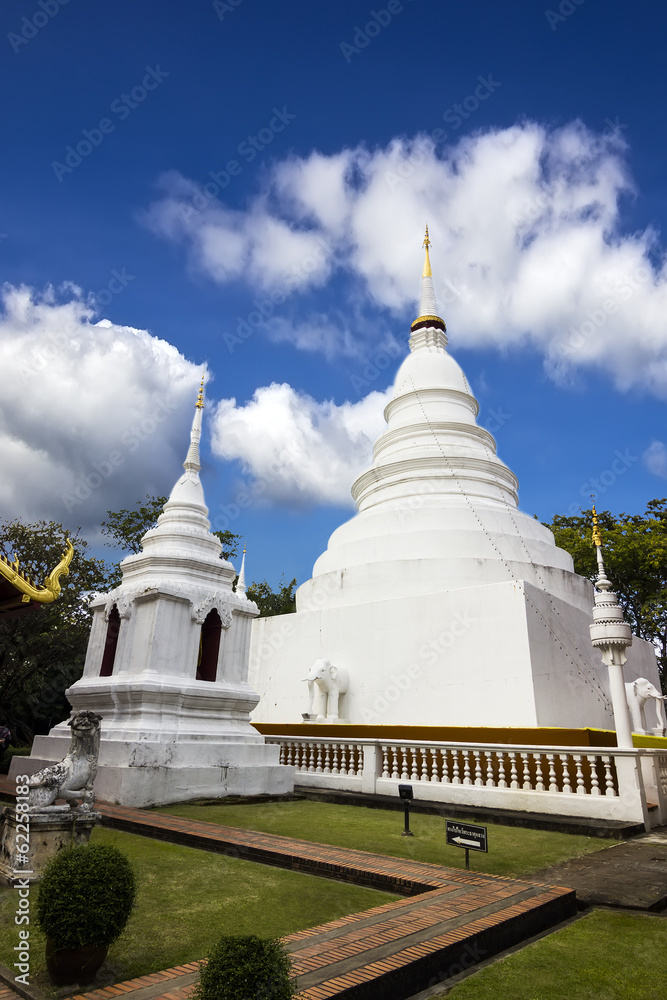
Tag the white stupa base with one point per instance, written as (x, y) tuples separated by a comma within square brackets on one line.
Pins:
[(500, 655), (143, 773)]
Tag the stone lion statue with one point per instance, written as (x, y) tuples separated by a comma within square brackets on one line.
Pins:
[(72, 778)]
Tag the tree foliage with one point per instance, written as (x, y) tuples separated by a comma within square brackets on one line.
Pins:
[(635, 559), (127, 527), (42, 653), (269, 602)]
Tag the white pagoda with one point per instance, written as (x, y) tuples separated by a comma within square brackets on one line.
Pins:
[(167, 668), (443, 602)]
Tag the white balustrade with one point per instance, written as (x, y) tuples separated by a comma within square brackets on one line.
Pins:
[(570, 781)]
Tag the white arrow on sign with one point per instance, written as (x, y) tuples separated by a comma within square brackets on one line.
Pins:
[(464, 842)]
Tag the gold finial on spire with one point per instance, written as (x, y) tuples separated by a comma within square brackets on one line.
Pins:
[(426, 273), (597, 537), (200, 398)]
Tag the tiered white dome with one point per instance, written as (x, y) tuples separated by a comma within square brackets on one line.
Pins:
[(437, 509)]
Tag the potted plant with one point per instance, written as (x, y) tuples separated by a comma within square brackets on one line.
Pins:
[(85, 899), (242, 967)]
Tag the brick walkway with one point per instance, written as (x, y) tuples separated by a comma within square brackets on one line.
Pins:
[(451, 919)]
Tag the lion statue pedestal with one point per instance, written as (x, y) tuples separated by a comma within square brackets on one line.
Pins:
[(37, 827)]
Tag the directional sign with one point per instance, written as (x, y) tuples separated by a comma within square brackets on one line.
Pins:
[(466, 835)]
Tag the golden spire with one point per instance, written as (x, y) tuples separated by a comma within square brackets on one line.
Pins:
[(200, 398), (426, 273), (597, 537)]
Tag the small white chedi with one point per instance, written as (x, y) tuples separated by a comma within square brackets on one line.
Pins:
[(167, 668), (445, 604)]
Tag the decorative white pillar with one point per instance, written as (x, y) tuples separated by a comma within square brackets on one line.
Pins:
[(612, 635)]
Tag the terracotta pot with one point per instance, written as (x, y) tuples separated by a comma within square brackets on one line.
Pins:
[(74, 965)]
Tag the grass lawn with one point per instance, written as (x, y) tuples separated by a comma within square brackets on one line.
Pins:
[(513, 850), (602, 956), (188, 898)]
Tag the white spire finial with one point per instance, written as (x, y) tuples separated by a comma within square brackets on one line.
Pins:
[(611, 634), (192, 462), (240, 583), (429, 329)]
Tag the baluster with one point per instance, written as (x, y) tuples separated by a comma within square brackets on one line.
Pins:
[(327, 758), (356, 764), (478, 767), (567, 787), (527, 787), (311, 757), (608, 776), (539, 777), (385, 761), (343, 758), (318, 758), (425, 776), (581, 784), (490, 781), (404, 763), (513, 775), (553, 784), (435, 765), (455, 768), (334, 758), (442, 766), (502, 772), (394, 762), (414, 772), (593, 764), (466, 768)]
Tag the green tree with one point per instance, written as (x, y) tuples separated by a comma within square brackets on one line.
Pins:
[(635, 559), (127, 527), (42, 653), (269, 602)]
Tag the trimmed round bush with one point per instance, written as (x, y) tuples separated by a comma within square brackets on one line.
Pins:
[(86, 896), (243, 967)]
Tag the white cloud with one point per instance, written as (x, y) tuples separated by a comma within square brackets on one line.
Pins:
[(527, 238), (92, 415), (294, 449), (655, 459)]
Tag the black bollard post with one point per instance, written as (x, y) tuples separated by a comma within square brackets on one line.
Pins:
[(405, 792)]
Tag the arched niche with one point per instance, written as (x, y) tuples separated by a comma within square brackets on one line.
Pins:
[(209, 647), (110, 643)]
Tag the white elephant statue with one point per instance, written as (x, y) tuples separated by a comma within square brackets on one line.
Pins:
[(329, 682), (638, 693)]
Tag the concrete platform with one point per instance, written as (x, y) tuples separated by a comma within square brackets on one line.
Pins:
[(631, 875)]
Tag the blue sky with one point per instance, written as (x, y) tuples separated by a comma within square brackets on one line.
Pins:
[(243, 185)]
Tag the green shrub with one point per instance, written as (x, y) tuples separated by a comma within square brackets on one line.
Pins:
[(12, 752), (240, 968), (86, 896)]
